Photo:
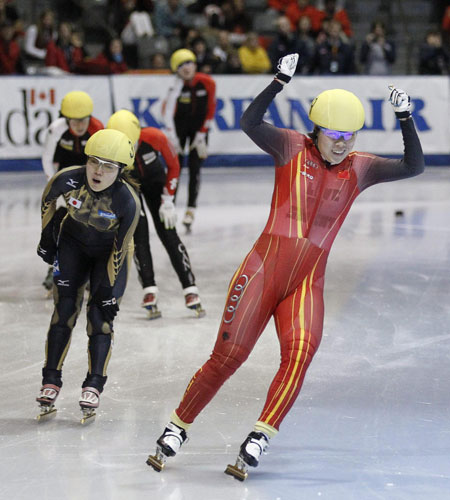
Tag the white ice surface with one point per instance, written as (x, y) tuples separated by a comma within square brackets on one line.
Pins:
[(372, 420)]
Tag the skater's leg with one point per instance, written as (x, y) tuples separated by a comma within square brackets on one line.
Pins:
[(194, 165), (299, 323), (100, 332), (250, 303), (177, 252), (69, 281), (142, 253)]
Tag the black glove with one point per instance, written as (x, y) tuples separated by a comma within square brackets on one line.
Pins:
[(106, 302), (47, 249)]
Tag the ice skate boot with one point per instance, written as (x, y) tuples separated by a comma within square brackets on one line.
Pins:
[(149, 302), (188, 218), (48, 282), (167, 446), (46, 400), (89, 401), (250, 452), (192, 299)]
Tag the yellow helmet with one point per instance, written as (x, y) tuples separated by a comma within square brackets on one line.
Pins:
[(76, 104), (337, 109), (111, 145), (181, 56), (127, 122)]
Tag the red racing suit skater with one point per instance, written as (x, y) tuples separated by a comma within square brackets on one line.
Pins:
[(283, 275), (189, 109)]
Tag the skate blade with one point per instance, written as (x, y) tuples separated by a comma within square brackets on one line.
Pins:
[(156, 463), (88, 416), (188, 228), (236, 472), (47, 413), (153, 312)]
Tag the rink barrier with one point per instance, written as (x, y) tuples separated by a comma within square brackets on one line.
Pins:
[(33, 102), (214, 161)]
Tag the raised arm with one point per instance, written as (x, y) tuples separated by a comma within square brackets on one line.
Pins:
[(412, 163), (272, 140)]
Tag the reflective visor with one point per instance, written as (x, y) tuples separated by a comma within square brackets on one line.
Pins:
[(337, 134)]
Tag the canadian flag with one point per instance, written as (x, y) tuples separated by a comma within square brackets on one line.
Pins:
[(74, 202), (42, 95)]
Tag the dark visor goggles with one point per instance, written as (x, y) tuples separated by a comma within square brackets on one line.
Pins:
[(337, 134)]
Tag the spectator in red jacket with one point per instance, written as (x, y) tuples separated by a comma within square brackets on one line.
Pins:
[(110, 61), (446, 24), (67, 53), (10, 57), (302, 8), (332, 12), (280, 5)]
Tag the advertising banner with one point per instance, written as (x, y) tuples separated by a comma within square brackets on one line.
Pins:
[(29, 104), (143, 94)]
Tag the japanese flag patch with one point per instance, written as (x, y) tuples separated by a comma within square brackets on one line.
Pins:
[(74, 202)]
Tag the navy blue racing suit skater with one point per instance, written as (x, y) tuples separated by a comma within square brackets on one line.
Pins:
[(95, 245), (158, 188), (64, 144)]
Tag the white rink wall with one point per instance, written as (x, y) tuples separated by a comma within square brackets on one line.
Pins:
[(29, 104)]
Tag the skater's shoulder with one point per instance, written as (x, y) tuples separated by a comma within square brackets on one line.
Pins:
[(126, 195), (74, 175), (58, 127)]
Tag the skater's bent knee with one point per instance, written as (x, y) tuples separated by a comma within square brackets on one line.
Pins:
[(230, 357)]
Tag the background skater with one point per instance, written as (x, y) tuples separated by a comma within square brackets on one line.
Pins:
[(188, 111), (157, 187)]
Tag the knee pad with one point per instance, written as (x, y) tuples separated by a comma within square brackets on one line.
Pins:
[(66, 311), (96, 322)]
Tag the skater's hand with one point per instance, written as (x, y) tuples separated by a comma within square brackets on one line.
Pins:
[(401, 102), (47, 250), (286, 68), (167, 212), (199, 143), (106, 302), (174, 141)]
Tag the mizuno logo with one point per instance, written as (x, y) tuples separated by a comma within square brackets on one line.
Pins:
[(72, 183)]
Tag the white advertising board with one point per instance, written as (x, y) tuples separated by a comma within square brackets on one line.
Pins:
[(143, 95), (29, 104)]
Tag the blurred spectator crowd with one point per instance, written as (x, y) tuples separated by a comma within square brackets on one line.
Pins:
[(227, 36)]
